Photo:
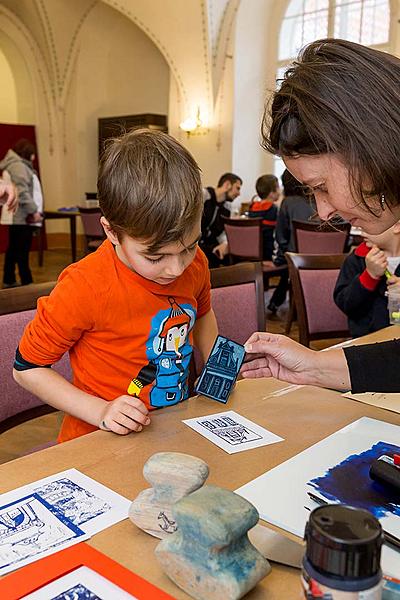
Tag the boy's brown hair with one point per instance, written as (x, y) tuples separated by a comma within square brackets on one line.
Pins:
[(149, 188)]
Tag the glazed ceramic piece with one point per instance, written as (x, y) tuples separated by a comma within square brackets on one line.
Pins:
[(210, 556), (172, 475)]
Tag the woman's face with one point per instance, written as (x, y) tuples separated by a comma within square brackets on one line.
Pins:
[(328, 179)]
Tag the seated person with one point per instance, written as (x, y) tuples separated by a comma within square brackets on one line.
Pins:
[(130, 313), (296, 206), (263, 206), (213, 237), (361, 286)]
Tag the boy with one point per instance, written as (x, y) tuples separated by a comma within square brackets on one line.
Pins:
[(128, 314), (267, 188), (361, 285)]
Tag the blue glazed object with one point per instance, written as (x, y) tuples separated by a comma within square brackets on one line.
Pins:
[(210, 555), (220, 372)]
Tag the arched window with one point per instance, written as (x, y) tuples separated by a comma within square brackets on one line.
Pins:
[(364, 21)]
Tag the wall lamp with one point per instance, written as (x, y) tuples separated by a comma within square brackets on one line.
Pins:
[(194, 125)]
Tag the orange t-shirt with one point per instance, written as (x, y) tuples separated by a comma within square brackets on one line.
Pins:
[(119, 327)]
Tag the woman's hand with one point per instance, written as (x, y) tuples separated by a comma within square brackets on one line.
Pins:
[(124, 414), (8, 195), (280, 357)]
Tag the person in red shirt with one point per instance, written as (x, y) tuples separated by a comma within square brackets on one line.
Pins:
[(267, 188), (130, 313)]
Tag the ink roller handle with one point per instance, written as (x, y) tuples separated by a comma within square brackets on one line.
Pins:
[(386, 472)]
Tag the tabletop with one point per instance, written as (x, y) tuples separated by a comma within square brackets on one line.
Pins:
[(302, 416)]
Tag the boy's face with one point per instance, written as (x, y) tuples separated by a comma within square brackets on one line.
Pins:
[(382, 240), (163, 267)]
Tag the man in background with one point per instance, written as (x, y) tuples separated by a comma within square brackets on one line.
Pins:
[(213, 238)]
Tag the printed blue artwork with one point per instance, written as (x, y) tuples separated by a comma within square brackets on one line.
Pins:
[(349, 483), (221, 369), (77, 592), (73, 501), (29, 526)]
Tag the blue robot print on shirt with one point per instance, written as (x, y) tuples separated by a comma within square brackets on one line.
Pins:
[(169, 352)]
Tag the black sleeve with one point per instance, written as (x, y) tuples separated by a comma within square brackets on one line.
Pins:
[(374, 367), (349, 293), (20, 364)]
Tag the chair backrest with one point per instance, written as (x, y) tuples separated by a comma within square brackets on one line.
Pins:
[(18, 405), (320, 238), (244, 237), (313, 279), (25, 297), (91, 222), (237, 298)]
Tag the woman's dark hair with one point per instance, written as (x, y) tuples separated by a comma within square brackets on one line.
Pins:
[(24, 148), (291, 186), (344, 98)]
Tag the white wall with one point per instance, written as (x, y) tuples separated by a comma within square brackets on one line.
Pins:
[(119, 72)]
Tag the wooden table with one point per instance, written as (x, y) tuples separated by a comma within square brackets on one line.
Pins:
[(302, 417), (64, 214)]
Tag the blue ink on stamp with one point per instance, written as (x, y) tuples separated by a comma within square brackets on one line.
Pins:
[(77, 592), (221, 369)]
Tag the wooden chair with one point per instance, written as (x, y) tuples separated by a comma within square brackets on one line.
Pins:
[(237, 298), (17, 308), (25, 297), (94, 232), (313, 278), (246, 243), (313, 237), (316, 237)]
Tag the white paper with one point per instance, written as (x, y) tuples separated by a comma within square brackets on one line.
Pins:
[(31, 529), (80, 583), (232, 432), (87, 503), (280, 495)]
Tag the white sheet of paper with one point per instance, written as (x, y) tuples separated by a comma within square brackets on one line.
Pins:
[(280, 495), (232, 432), (86, 502), (31, 529), (80, 583)]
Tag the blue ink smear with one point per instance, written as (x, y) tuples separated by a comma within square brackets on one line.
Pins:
[(349, 483)]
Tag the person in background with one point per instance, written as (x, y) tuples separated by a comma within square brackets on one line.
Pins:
[(296, 205), (361, 286), (213, 238), (17, 167), (342, 142), (264, 207)]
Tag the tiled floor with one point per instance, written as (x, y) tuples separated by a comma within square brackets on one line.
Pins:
[(23, 438)]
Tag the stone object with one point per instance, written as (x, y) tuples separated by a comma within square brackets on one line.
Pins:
[(210, 556), (173, 475)]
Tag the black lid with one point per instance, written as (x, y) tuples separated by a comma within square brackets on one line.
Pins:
[(343, 541)]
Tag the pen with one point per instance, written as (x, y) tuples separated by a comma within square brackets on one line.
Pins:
[(388, 537)]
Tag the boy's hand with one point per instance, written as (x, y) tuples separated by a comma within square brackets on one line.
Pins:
[(221, 250), (394, 281), (124, 414), (376, 262)]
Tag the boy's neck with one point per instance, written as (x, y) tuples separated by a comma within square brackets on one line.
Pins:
[(392, 248)]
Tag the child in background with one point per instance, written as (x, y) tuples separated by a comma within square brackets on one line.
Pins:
[(130, 313), (267, 188), (362, 283)]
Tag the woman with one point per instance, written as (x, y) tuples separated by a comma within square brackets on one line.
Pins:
[(17, 165), (335, 121)]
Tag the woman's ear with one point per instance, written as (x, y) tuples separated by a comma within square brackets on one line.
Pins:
[(108, 230)]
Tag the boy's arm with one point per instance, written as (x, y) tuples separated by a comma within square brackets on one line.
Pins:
[(354, 287), (205, 331), (122, 415)]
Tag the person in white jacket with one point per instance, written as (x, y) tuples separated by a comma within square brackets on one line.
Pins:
[(17, 168)]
